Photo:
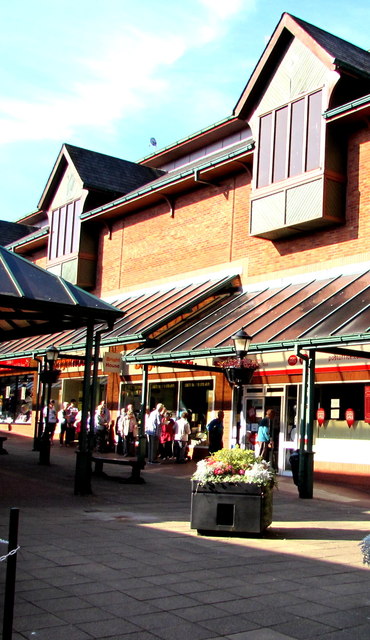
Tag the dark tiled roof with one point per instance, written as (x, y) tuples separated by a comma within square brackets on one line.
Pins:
[(345, 53), (35, 301), (12, 231), (99, 171)]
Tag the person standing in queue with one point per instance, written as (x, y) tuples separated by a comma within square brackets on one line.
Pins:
[(63, 424), (153, 429), (215, 430), (102, 419), (50, 419), (265, 440)]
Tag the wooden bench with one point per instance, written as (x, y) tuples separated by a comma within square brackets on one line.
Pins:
[(136, 467), (2, 440)]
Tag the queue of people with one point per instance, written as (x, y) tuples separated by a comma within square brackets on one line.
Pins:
[(167, 438)]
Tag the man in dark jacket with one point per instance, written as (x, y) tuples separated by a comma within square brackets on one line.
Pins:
[(215, 432)]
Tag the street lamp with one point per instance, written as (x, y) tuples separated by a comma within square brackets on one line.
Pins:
[(241, 341), (48, 376), (239, 372), (51, 355)]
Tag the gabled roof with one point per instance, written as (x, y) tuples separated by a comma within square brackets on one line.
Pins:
[(334, 52), (98, 171)]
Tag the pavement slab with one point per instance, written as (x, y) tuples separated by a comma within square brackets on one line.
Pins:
[(123, 563)]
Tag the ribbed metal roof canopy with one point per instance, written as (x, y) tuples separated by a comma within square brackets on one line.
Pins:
[(34, 301)]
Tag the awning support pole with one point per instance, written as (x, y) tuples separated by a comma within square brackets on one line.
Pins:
[(83, 456), (305, 473), (144, 401)]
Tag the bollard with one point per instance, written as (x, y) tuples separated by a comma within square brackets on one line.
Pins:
[(44, 449), (11, 568)]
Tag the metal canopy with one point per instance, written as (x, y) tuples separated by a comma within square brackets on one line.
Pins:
[(148, 313), (323, 314), (36, 302), (197, 320)]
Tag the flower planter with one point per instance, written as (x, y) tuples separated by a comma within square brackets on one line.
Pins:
[(230, 507)]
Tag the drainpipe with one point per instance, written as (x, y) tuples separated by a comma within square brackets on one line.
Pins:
[(198, 179)]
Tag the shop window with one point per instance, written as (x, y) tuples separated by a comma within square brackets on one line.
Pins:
[(164, 392), (335, 399), (16, 399), (196, 398), (130, 394), (289, 140), (65, 230)]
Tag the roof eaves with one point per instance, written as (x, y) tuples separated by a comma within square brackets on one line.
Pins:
[(347, 108), (182, 141), (346, 66), (30, 238), (254, 349), (166, 181)]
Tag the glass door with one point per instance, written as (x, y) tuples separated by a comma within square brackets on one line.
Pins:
[(289, 430)]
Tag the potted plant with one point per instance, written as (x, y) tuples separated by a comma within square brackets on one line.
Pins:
[(232, 491)]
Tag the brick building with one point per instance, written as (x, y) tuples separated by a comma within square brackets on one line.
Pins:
[(260, 221)]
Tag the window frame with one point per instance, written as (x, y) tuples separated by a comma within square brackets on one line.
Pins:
[(304, 151), (64, 234)]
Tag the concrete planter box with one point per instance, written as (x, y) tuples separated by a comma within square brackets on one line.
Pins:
[(226, 507)]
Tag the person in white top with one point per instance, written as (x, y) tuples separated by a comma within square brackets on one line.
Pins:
[(50, 420), (102, 419), (182, 432)]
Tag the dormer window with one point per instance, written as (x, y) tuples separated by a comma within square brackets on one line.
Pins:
[(65, 230), (289, 140)]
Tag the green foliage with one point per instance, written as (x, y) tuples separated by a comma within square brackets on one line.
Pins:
[(236, 457)]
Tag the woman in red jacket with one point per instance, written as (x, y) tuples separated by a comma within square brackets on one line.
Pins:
[(166, 436)]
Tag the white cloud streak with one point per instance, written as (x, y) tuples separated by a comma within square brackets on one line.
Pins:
[(122, 74)]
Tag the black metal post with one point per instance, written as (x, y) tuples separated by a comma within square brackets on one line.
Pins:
[(141, 450), (44, 439), (94, 382), (305, 476), (239, 395), (38, 415), (11, 568), (83, 456)]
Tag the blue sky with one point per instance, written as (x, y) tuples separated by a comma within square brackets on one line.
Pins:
[(108, 75)]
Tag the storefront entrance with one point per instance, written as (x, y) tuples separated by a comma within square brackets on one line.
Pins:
[(283, 401)]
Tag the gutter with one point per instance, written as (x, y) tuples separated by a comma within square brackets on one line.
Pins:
[(349, 106), (31, 238), (168, 180)]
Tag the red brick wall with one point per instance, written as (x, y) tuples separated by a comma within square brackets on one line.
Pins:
[(210, 227), (151, 244)]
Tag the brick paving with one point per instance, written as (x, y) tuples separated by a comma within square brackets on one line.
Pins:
[(123, 563)]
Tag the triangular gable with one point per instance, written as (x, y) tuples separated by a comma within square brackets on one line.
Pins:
[(97, 171), (55, 178), (332, 51)]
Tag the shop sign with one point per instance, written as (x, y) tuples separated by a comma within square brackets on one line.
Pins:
[(350, 417), (112, 362), (320, 416), (367, 404), (20, 362)]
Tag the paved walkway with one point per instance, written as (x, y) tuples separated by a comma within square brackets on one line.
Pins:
[(123, 564)]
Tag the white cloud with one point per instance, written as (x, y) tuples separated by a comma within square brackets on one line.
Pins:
[(126, 69)]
